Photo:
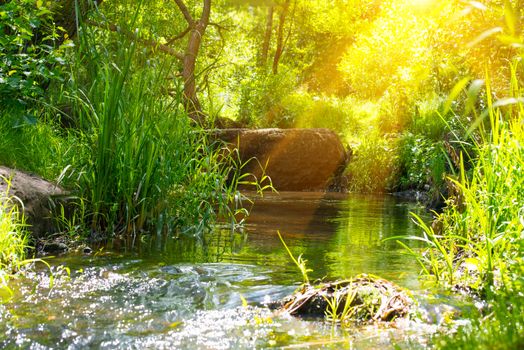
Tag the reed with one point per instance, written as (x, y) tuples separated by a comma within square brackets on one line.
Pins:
[(141, 165)]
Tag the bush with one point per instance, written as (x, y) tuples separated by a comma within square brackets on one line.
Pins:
[(30, 58), (261, 99), (422, 162), (374, 165)]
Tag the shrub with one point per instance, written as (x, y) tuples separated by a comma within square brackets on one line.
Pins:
[(30, 57), (261, 99), (373, 167), (421, 162)]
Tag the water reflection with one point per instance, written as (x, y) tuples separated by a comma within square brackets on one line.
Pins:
[(340, 235)]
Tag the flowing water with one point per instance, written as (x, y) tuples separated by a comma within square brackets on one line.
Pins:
[(176, 293)]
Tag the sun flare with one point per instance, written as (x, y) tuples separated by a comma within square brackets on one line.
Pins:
[(422, 3)]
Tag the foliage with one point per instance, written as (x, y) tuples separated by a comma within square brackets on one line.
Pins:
[(375, 65), (422, 162), (373, 166), (30, 57), (316, 36), (476, 242), (13, 237), (261, 99)]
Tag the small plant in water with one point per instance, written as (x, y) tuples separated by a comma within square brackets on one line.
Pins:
[(333, 312), (301, 263)]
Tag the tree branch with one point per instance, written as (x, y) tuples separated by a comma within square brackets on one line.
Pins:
[(206, 12), (219, 26), (179, 36), (151, 43), (185, 12)]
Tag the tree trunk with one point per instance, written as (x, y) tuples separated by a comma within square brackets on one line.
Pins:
[(280, 35), (191, 102), (196, 32), (267, 36)]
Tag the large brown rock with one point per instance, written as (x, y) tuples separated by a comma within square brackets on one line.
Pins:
[(297, 159), (37, 195)]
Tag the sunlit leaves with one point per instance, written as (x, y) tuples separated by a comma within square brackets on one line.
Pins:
[(396, 51)]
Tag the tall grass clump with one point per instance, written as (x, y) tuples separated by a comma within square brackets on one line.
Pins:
[(13, 237), (140, 165), (476, 244), (481, 229)]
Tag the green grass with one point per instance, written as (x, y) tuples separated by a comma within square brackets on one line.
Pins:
[(501, 328), (13, 239), (140, 165), (476, 244), (39, 147)]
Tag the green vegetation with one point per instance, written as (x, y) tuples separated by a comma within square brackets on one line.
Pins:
[(143, 162), (110, 133), (13, 239), (112, 99), (299, 261), (500, 328), (30, 54), (476, 244)]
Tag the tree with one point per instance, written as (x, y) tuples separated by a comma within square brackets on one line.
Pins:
[(267, 36), (280, 35), (196, 30)]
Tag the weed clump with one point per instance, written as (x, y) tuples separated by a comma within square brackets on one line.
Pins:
[(364, 298)]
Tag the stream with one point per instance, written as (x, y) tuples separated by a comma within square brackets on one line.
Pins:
[(161, 292)]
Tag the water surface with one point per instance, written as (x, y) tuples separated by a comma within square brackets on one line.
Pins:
[(167, 292)]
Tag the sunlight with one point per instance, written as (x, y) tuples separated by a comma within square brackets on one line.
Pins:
[(422, 3)]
